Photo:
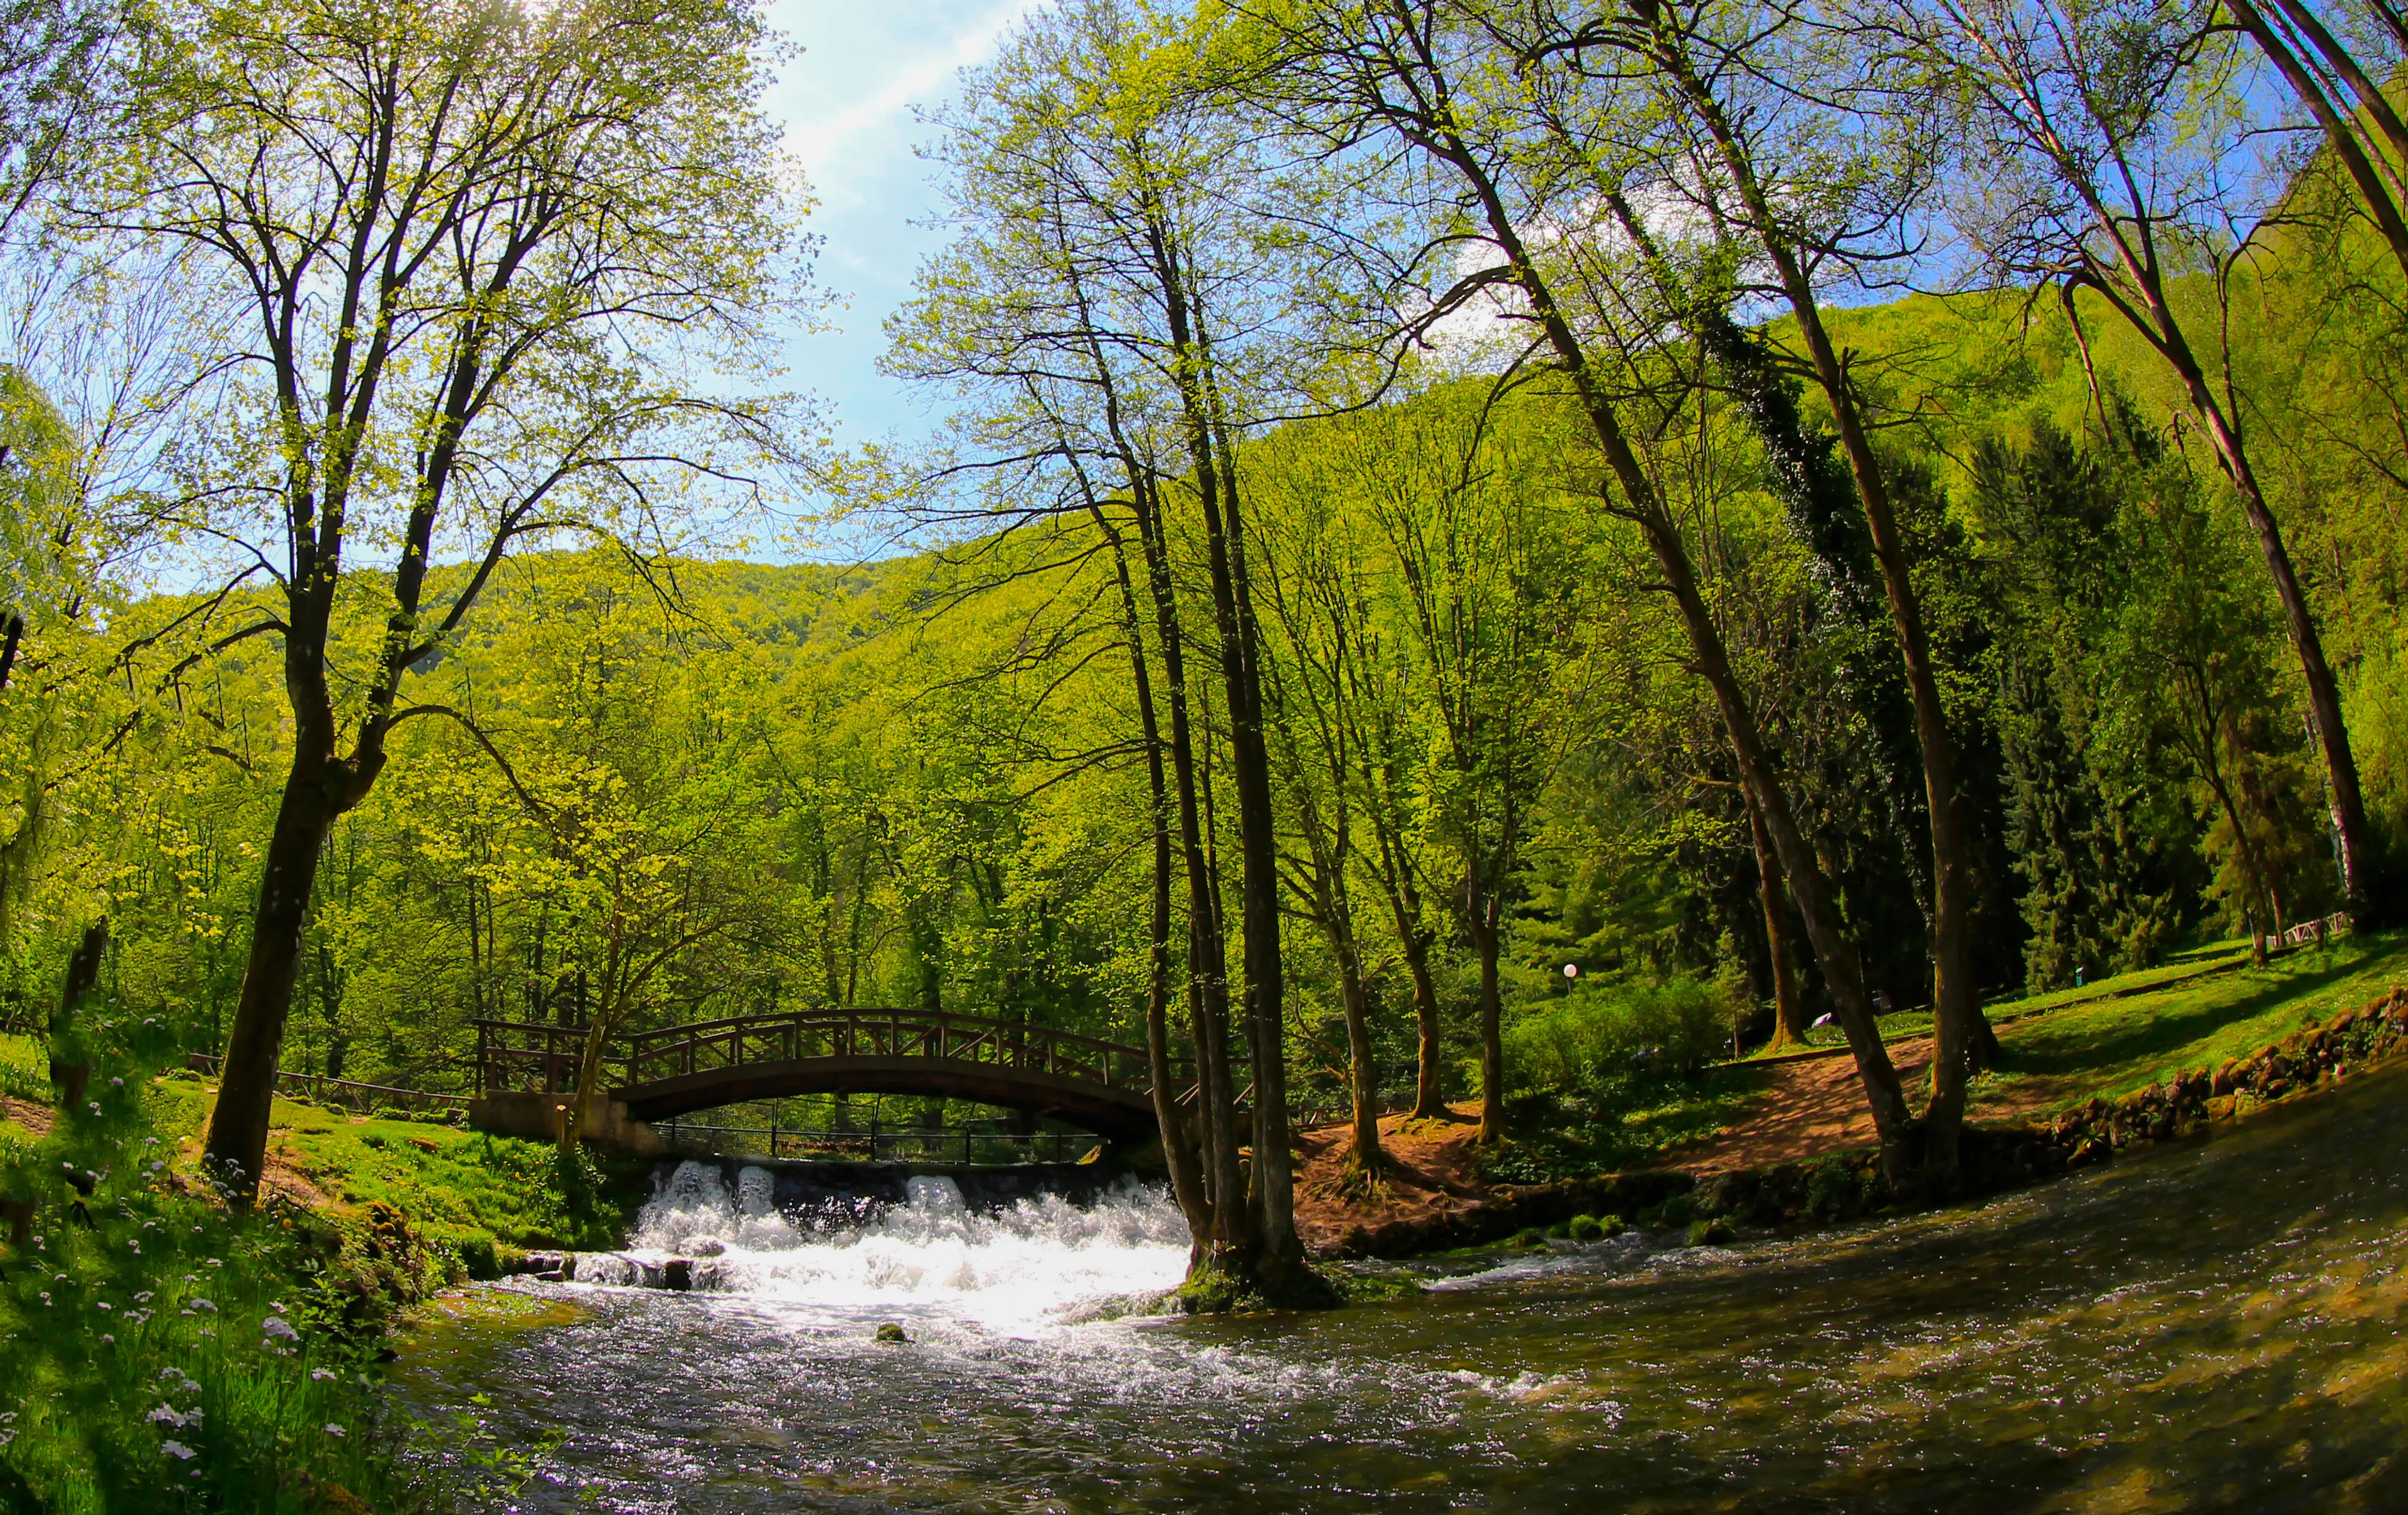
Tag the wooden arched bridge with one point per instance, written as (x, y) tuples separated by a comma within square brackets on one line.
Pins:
[(660, 1074)]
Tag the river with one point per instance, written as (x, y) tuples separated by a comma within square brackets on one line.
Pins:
[(2217, 1324)]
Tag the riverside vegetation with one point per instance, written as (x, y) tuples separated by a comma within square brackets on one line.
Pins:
[(1483, 560)]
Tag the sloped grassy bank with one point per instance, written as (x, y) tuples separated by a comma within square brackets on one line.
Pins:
[(160, 1353), (1845, 1186)]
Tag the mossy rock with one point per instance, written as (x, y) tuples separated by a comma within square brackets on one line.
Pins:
[(1586, 1228), (891, 1332), (1711, 1232)]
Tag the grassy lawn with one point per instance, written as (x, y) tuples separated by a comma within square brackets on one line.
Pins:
[(2111, 1046), (24, 1068), (2222, 954), (451, 1182), (2093, 1041)]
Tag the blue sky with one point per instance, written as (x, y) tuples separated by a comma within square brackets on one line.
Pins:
[(847, 103)]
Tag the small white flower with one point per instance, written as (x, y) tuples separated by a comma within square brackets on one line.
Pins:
[(46, 1296), (95, 1106), (321, 1375), (106, 1339), (169, 1372), (119, 1083), (334, 1430), (213, 1262), (102, 1303), (177, 1448), (278, 1329), (166, 1415), (209, 1331), (142, 1298), (203, 1304)]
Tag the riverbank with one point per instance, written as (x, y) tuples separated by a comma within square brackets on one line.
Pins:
[(1799, 1129)]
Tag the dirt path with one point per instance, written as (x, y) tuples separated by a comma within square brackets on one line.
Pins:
[(1430, 1172), (1805, 1108), (34, 1118)]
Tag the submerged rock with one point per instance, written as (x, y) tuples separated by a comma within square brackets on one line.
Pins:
[(892, 1332)]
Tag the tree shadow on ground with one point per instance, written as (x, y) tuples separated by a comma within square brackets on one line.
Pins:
[(2101, 1037)]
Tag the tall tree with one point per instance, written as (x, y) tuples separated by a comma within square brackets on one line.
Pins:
[(1385, 75), (482, 252), (1798, 139), (2088, 172)]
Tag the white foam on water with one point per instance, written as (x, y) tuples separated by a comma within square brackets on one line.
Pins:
[(1012, 1269)]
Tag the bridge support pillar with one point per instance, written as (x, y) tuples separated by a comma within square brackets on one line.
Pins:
[(535, 1116)]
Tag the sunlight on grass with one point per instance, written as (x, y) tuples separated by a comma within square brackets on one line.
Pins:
[(2115, 1046)]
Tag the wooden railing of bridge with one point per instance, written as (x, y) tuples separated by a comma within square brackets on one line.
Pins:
[(525, 1055)]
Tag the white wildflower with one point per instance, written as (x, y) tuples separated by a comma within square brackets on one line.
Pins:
[(321, 1375), (177, 1448), (166, 1415), (334, 1430), (278, 1329), (203, 1304)]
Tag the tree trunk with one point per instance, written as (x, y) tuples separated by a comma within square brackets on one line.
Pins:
[(2330, 116), (1788, 1007), (1363, 1081), (236, 1148), (1429, 1070), (1179, 1154), (68, 1080), (1483, 914)]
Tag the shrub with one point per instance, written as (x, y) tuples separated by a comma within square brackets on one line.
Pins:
[(1586, 1228), (478, 1255), (1599, 1034)]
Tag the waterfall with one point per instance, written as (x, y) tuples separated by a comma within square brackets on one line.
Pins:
[(1030, 1260)]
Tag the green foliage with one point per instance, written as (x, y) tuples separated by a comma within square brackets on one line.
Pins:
[(160, 1354), (1599, 1035)]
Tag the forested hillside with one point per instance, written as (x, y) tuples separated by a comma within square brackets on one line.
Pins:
[(676, 790)]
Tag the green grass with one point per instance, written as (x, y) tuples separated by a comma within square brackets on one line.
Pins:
[(1919, 1022), (2111, 1046), (24, 1068), (158, 1352), (453, 1184)]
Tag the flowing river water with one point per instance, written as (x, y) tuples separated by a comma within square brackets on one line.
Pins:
[(2217, 1324)]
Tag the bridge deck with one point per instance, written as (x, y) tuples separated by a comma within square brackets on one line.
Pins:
[(670, 1071)]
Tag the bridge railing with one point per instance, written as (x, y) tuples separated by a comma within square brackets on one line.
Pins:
[(518, 1054)]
